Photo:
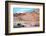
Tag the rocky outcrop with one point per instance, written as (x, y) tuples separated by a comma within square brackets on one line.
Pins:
[(27, 19)]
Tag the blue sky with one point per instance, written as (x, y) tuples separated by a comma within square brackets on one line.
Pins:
[(22, 10)]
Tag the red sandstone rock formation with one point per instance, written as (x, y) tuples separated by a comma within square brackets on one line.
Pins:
[(28, 18)]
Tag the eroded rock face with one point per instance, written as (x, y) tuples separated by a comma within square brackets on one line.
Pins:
[(27, 19)]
